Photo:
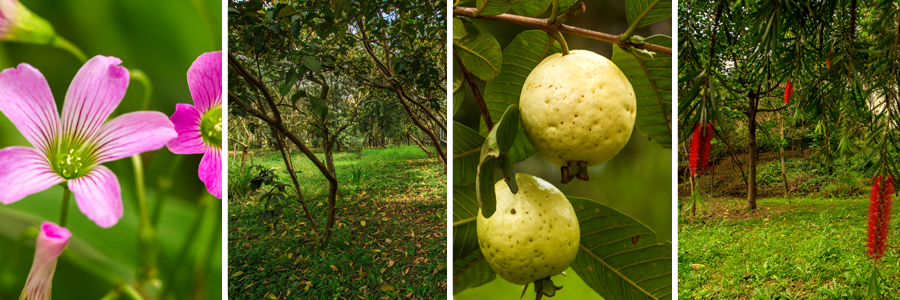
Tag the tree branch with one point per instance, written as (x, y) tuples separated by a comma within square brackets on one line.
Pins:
[(551, 29)]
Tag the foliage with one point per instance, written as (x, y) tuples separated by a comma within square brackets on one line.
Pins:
[(488, 135), (388, 241)]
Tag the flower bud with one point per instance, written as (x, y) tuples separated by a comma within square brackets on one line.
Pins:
[(50, 244)]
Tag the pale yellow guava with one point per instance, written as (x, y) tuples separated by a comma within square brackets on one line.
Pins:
[(577, 108), (532, 235)]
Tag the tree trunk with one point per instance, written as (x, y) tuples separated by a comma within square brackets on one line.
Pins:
[(754, 152), (289, 164), (781, 154)]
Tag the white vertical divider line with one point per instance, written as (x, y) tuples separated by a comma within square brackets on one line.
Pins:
[(674, 113), (449, 151), (225, 150)]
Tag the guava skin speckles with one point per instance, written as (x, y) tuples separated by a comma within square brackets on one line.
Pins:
[(534, 233), (577, 107)]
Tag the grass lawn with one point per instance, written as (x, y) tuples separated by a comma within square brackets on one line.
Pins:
[(389, 240), (809, 248)]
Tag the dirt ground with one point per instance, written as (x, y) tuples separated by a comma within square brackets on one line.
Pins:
[(725, 179)]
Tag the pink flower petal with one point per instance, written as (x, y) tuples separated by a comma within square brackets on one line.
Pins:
[(187, 123), (50, 243), (210, 171), (26, 100), (99, 196), (95, 92), (24, 171), (133, 133), (205, 80)]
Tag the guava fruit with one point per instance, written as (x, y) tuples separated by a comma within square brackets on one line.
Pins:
[(577, 110), (534, 233)]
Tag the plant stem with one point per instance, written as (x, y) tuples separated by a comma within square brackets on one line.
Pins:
[(140, 76), (562, 43), (555, 12), (481, 104), (64, 211), (62, 43), (164, 186)]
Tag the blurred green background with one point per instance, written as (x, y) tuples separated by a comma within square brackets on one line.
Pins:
[(161, 38), (638, 181)]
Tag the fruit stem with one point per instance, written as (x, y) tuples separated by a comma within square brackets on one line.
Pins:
[(562, 43), (555, 12)]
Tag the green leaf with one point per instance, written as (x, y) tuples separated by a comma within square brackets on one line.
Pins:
[(289, 80), (480, 54), (319, 106), (494, 155), (312, 64), (530, 8), (471, 271), (465, 214), (565, 5), (297, 95), (459, 94), (492, 7), (652, 83), (520, 57), (619, 257), (463, 27), (466, 147), (659, 10)]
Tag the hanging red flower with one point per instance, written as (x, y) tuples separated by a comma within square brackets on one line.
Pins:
[(880, 203), (700, 146), (788, 91)]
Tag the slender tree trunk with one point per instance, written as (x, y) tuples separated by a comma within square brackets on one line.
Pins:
[(409, 136), (288, 163), (781, 154), (754, 152)]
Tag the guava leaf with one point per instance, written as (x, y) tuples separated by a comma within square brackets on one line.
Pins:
[(619, 257), (652, 83), (312, 64), (520, 57), (565, 5), (493, 155), (463, 27), (459, 94), (529, 8), (471, 271), (466, 148), (480, 54), (658, 10), (465, 213), (492, 7), (319, 106), (289, 80)]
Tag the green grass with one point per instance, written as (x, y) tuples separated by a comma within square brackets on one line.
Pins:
[(389, 239), (810, 248)]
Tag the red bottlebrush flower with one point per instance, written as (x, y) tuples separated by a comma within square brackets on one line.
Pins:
[(700, 147), (788, 92), (880, 203), (874, 200), (828, 60)]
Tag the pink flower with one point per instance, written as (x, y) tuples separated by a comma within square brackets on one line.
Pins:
[(71, 149), (199, 126), (50, 244)]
